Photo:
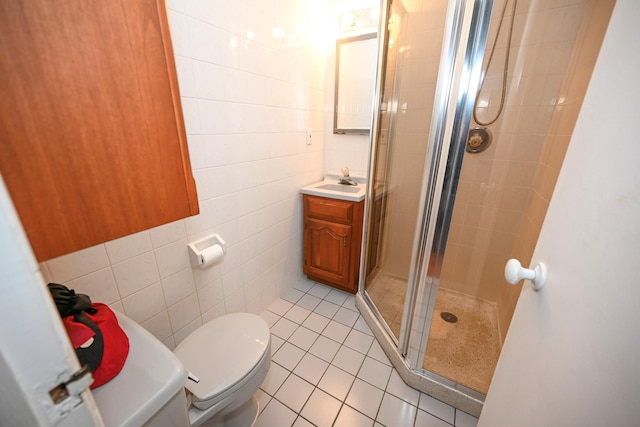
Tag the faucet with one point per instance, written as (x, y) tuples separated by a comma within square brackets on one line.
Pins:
[(345, 179)]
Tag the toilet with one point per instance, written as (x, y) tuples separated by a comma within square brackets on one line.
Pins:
[(227, 359), (230, 356)]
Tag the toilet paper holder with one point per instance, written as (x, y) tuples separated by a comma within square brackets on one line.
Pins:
[(196, 248)]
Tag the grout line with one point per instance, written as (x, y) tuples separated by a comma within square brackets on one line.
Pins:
[(330, 363)]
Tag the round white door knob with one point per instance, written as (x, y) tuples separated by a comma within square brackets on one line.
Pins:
[(514, 272)]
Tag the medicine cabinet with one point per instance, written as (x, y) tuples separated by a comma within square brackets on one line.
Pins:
[(354, 83)]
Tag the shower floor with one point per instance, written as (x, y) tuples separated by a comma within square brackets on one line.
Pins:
[(466, 351), (388, 292)]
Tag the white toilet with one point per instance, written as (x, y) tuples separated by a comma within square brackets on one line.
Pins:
[(230, 356)]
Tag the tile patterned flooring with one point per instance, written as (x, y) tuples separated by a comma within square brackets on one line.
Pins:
[(328, 370)]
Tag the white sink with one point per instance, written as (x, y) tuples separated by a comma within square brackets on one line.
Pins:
[(152, 375), (339, 187), (332, 189)]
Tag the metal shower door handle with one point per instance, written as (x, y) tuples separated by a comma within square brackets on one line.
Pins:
[(514, 272)]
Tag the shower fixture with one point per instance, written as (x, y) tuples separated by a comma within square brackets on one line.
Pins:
[(479, 140), (505, 70), (479, 137)]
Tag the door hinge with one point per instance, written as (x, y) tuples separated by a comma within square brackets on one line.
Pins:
[(74, 386)]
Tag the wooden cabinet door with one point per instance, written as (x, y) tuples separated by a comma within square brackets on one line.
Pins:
[(92, 143), (327, 251)]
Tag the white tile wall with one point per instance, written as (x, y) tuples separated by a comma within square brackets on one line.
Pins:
[(248, 98)]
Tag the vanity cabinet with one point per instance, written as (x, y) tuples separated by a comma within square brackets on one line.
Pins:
[(93, 143), (332, 240)]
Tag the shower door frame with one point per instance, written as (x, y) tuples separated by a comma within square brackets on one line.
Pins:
[(459, 75)]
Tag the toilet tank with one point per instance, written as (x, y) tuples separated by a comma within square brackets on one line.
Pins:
[(149, 391)]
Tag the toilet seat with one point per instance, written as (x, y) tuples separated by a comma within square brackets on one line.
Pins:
[(222, 353)]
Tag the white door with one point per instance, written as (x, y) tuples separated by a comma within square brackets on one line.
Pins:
[(35, 353), (572, 354)]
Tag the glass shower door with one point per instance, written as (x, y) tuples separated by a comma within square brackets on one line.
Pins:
[(444, 216), (414, 41)]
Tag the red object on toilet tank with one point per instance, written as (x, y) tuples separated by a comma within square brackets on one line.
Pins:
[(100, 343), (113, 340), (116, 344)]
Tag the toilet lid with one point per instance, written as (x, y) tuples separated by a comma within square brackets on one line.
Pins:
[(222, 352)]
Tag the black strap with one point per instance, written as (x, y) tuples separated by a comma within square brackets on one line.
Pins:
[(67, 301), (78, 305)]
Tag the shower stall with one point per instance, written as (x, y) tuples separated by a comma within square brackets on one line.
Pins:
[(476, 102)]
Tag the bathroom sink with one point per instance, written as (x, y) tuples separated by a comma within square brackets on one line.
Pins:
[(330, 188), (339, 187)]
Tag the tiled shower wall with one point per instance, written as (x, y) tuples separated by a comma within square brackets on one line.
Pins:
[(252, 77), (504, 191), (498, 185), (595, 19)]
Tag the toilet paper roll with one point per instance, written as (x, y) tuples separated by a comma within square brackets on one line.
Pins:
[(211, 255)]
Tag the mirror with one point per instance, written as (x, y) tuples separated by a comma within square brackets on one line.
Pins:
[(355, 74)]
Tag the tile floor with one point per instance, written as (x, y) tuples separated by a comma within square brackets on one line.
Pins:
[(328, 370)]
